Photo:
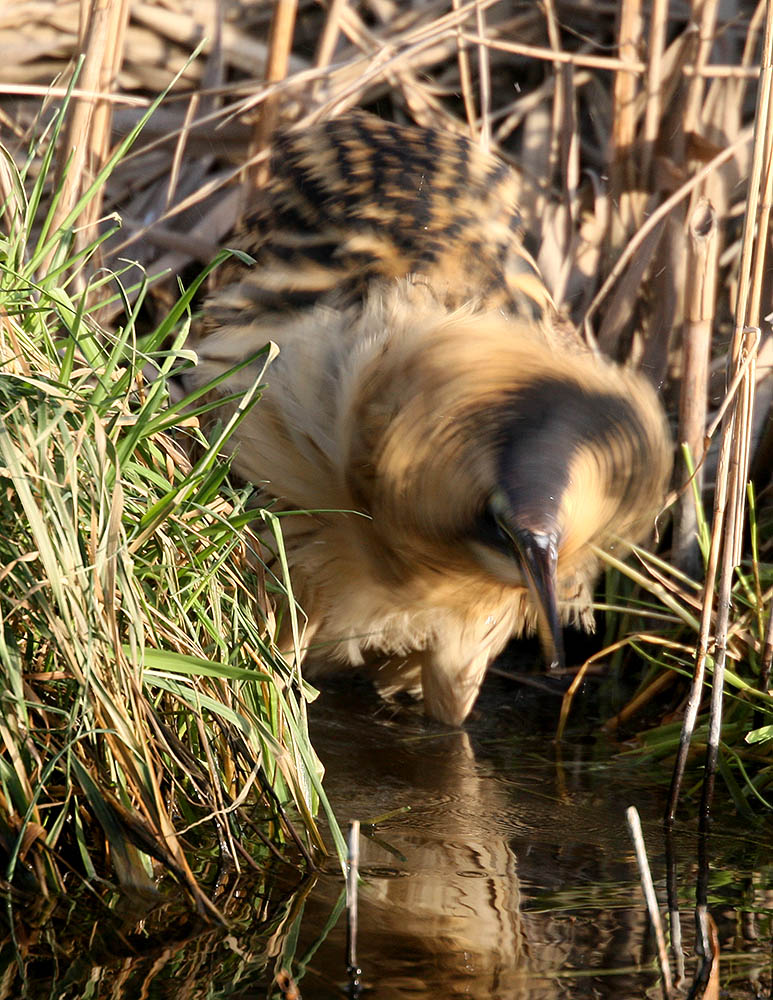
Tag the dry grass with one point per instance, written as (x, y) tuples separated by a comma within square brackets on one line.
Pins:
[(616, 141), (146, 712), (635, 127)]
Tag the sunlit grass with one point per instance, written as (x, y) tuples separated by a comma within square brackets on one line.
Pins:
[(145, 711)]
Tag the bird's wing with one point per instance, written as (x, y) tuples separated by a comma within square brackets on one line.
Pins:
[(357, 199)]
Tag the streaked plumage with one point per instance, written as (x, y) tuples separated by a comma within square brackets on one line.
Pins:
[(424, 381)]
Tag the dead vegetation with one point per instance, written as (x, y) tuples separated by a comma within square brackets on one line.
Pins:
[(631, 123)]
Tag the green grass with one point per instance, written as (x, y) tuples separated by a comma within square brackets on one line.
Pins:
[(661, 624), (146, 713)]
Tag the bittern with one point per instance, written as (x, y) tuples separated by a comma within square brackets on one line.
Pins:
[(462, 455)]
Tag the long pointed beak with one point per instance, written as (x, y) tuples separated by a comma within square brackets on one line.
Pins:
[(539, 557)]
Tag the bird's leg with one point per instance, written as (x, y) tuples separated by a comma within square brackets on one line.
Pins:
[(450, 686)]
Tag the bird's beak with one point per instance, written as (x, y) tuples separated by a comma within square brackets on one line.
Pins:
[(539, 556)]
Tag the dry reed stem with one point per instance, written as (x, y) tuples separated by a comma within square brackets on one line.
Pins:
[(569, 159), (57, 92), (465, 78), (119, 20), (279, 48), (179, 150), (648, 887), (622, 169), (87, 136), (331, 34), (653, 84), (739, 84), (484, 81), (738, 424), (352, 886), (707, 608), (701, 273), (729, 500), (707, 20), (629, 67), (559, 98), (734, 386)]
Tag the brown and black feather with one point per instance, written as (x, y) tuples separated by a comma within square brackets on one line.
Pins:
[(358, 199), (425, 386)]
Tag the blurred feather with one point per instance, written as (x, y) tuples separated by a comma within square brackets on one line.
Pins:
[(426, 386)]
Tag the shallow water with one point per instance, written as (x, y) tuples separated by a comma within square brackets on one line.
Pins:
[(497, 869), (513, 874)]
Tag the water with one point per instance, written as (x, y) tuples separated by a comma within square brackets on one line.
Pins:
[(498, 867), (513, 875)]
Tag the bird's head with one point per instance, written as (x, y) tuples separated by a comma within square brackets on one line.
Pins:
[(485, 442), (581, 459)]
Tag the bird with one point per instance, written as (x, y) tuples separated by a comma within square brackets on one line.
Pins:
[(459, 455)]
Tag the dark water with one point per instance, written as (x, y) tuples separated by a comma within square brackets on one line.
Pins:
[(513, 874), (496, 868)]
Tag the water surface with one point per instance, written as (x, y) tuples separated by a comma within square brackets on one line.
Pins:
[(494, 865), (513, 874)]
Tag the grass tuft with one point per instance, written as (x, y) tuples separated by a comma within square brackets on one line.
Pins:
[(145, 711)]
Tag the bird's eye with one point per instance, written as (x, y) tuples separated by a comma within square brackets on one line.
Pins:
[(490, 532)]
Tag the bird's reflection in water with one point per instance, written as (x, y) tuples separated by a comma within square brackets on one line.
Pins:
[(441, 906), (458, 905)]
